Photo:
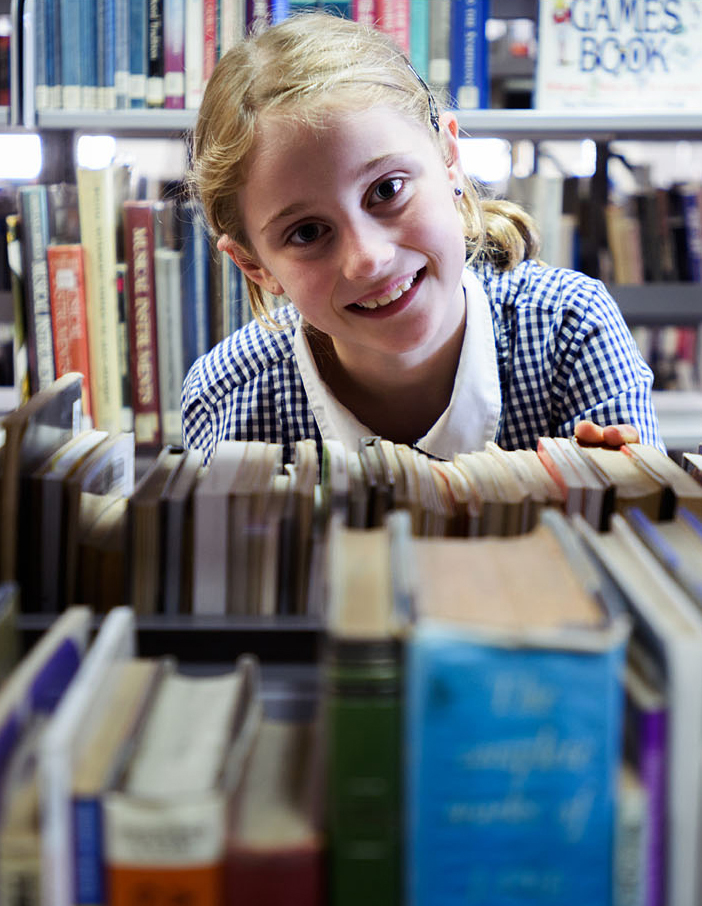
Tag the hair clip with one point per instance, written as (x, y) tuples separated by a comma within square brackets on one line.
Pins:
[(433, 112)]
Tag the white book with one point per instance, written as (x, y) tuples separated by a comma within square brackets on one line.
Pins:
[(169, 334), (667, 620), (211, 529), (61, 743), (194, 52)]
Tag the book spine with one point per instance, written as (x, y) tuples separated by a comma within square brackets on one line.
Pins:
[(69, 320), (419, 37), (174, 54), (106, 57), (42, 41), (439, 52), (196, 249), (88, 55), (34, 215), (98, 237), (88, 879), (175, 853), (393, 17), (363, 719), (469, 85), (122, 40), (154, 81), (209, 60), (364, 11), (167, 265), (194, 52), (692, 217), (5, 70), (138, 52), (127, 421), (143, 348), (70, 60)]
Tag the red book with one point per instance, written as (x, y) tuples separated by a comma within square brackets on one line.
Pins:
[(394, 19), (68, 317), (143, 349)]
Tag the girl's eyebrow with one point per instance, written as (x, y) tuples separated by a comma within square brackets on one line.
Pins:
[(297, 207)]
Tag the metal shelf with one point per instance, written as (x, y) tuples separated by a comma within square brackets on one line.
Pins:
[(602, 125), (652, 304), (124, 122)]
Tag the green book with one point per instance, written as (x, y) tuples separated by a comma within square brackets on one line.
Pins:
[(363, 718)]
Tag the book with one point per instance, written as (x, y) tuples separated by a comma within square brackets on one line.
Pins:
[(515, 639), (98, 225), (195, 283), (108, 471), (91, 689), (155, 93), (439, 51), (138, 52), (668, 625), (645, 745), (469, 84), (165, 823), (174, 54), (88, 56), (106, 54), (98, 761), (48, 419), (169, 340), (122, 47), (20, 351), (686, 491), (71, 76), (45, 499), (34, 214), (618, 59), (633, 485), (139, 227), (68, 314), (40, 678), (177, 501), (586, 489), (101, 557), (145, 525), (194, 53), (362, 715), (211, 529), (630, 838), (275, 849)]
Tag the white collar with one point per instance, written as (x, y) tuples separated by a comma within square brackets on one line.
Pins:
[(472, 415)]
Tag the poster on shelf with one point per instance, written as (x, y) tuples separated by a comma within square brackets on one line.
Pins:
[(619, 54)]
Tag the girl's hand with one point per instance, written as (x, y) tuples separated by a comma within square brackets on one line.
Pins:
[(588, 432)]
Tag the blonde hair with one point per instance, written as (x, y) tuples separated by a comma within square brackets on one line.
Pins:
[(296, 67)]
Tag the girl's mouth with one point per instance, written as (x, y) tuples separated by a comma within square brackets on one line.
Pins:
[(400, 295)]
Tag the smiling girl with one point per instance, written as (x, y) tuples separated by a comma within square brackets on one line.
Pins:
[(412, 309)]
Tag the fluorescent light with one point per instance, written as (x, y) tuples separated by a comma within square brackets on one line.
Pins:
[(95, 151), (486, 159), (20, 156)]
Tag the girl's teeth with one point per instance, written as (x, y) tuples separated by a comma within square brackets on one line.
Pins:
[(390, 297)]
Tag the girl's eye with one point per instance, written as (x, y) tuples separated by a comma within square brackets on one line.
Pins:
[(306, 234), (387, 189)]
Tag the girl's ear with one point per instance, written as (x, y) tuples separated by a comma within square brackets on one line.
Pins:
[(246, 262), (450, 132)]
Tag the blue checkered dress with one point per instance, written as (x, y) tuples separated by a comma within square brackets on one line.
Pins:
[(564, 354)]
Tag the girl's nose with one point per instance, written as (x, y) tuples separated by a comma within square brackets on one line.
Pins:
[(367, 250)]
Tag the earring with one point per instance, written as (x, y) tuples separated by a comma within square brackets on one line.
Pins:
[(458, 191)]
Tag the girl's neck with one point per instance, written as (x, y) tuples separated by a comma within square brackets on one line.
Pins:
[(399, 398)]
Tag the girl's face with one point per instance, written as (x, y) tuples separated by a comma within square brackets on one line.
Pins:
[(358, 224)]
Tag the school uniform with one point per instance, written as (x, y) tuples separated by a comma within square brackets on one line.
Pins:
[(543, 349)]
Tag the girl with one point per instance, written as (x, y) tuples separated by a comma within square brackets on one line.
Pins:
[(415, 310)]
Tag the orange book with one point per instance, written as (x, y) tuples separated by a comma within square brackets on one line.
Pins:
[(68, 316)]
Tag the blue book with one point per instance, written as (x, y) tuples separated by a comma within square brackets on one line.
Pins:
[(41, 56), (469, 84), (138, 52), (196, 284), (121, 50), (105, 12), (70, 60), (419, 37), (87, 48), (513, 721)]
